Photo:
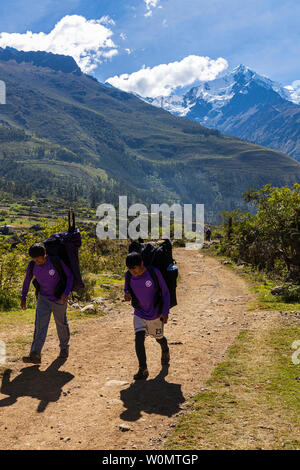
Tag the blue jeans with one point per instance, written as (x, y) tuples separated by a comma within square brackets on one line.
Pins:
[(44, 308)]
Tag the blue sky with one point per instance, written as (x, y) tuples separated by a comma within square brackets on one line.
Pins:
[(262, 34)]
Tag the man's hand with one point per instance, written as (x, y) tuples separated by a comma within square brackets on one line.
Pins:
[(127, 297), (64, 299), (164, 318), (23, 304)]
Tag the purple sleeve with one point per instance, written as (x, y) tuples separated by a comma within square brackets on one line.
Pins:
[(26, 284), (165, 292), (70, 278)]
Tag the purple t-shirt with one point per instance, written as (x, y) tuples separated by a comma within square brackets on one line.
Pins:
[(144, 289), (47, 277)]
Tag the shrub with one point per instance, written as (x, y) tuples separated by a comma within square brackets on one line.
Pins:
[(269, 239), (95, 256)]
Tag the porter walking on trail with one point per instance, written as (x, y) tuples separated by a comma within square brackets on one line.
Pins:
[(208, 234), (53, 282), (150, 297)]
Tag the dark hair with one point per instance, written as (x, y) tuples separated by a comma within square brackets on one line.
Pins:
[(133, 259), (36, 250)]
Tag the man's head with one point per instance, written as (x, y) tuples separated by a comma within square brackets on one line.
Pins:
[(38, 253), (135, 264)]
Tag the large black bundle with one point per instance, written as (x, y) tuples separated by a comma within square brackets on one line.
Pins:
[(65, 245)]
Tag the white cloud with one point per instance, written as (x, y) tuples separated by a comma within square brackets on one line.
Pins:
[(88, 41), (165, 78), (107, 20), (151, 4), (109, 54)]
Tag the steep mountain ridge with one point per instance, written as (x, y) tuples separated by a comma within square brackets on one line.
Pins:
[(41, 59), (243, 104), (81, 135)]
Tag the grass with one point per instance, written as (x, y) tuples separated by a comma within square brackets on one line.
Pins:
[(107, 286), (267, 301), (19, 222), (15, 316), (251, 400)]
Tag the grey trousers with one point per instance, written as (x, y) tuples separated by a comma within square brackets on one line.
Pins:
[(44, 308)]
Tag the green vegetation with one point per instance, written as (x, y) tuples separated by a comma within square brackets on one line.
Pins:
[(267, 301), (96, 257), (269, 240), (251, 400), (66, 135)]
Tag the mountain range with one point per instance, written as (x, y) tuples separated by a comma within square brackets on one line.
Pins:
[(62, 133), (244, 104)]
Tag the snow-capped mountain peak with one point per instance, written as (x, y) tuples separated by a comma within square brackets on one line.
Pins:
[(244, 104), (218, 93)]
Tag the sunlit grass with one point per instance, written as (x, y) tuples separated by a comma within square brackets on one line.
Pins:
[(251, 400)]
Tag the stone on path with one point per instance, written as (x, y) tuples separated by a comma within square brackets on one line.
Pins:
[(119, 383), (124, 427), (89, 309)]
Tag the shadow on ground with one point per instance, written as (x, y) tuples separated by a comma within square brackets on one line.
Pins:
[(151, 396), (45, 386)]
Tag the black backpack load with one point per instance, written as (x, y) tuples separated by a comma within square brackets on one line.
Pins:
[(64, 246), (158, 256)]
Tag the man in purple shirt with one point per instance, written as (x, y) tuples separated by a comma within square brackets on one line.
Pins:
[(48, 300), (151, 300)]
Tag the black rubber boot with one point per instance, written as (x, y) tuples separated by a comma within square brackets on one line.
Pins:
[(142, 374), (33, 358)]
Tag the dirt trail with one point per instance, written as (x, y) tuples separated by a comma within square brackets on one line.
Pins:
[(80, 404)]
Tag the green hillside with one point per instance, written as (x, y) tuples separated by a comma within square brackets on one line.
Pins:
[(67, 133)]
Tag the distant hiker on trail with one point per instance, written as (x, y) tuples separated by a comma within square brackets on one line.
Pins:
[(53, 283), (208, 234), (150, 297)]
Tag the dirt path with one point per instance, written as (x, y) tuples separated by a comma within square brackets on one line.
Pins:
[(80, 404)]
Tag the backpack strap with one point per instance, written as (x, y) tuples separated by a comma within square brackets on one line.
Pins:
[(60, 288), (31, 266), (134, 299), (57, 265), (154, 277), (128, 278), (35, 281), (158, 296)]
